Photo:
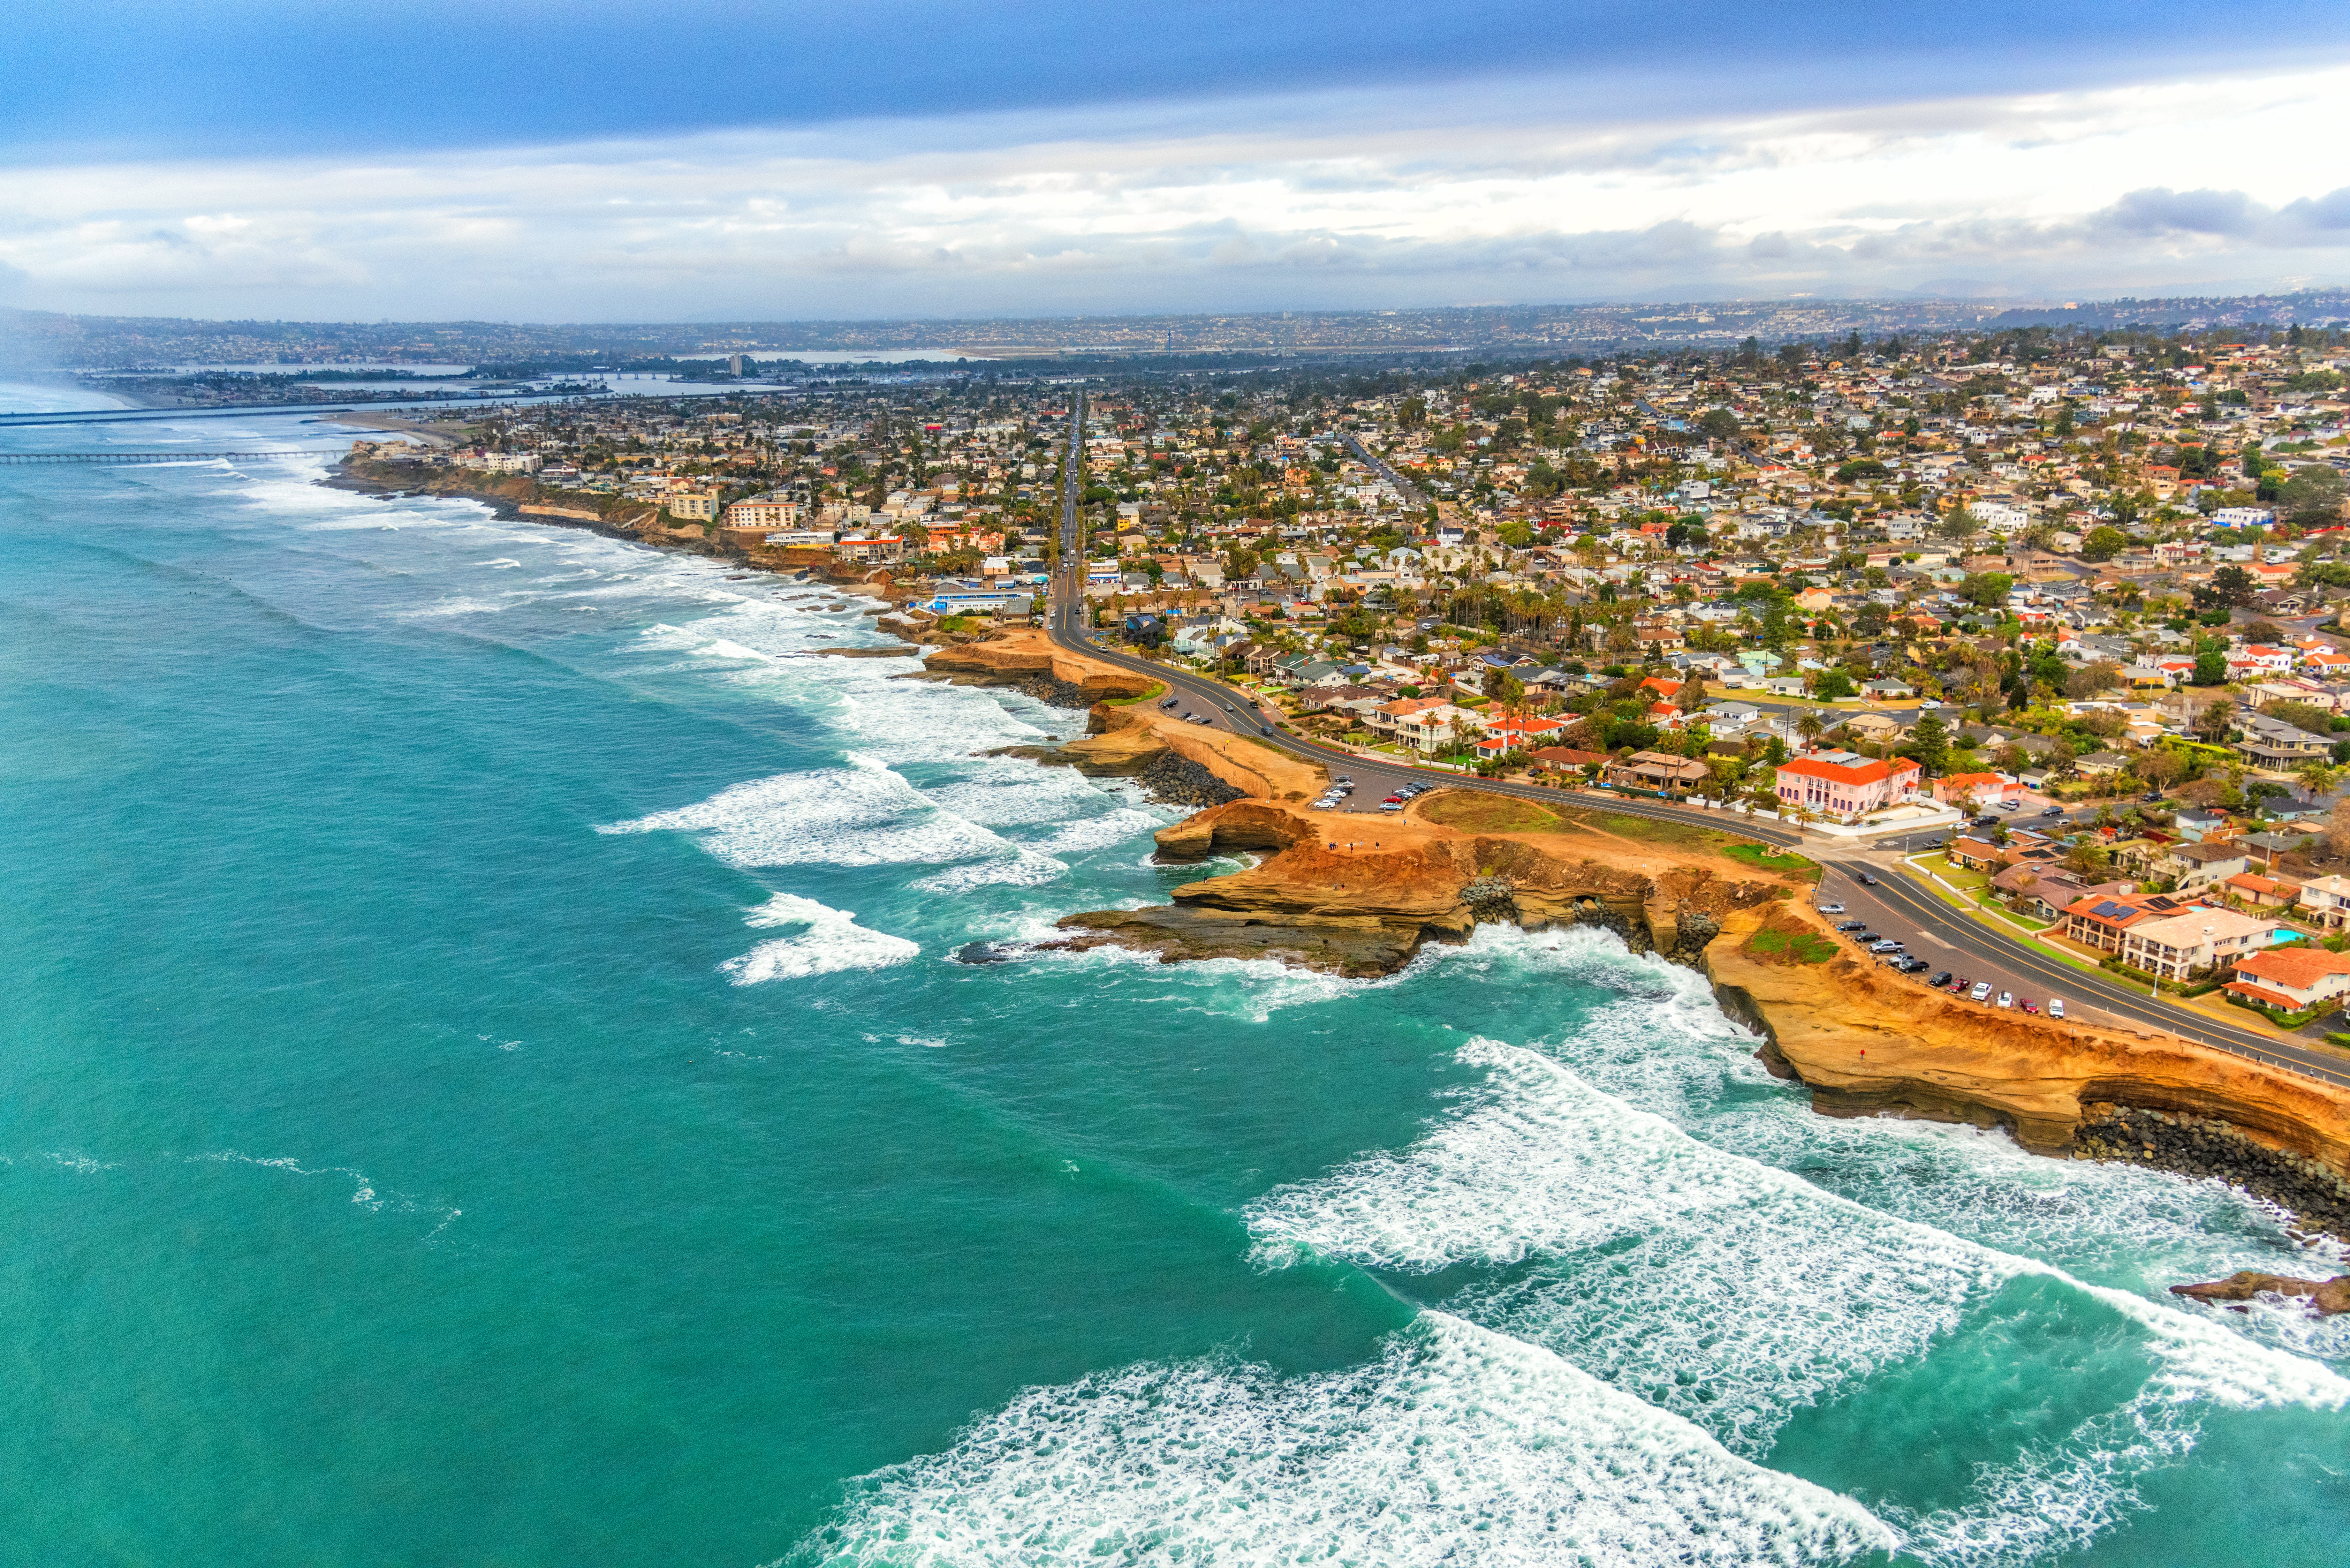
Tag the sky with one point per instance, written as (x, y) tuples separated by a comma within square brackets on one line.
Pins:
[(689, 161)]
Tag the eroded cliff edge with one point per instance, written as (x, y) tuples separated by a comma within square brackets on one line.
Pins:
[(1867, 1041), (1127, 736), (1359, 896)]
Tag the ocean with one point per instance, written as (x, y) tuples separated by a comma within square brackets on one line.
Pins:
[(487, 1081)]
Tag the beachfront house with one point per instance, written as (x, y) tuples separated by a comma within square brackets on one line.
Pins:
[(2184, 946)]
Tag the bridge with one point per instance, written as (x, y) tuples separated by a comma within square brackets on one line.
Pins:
[(30, 458)]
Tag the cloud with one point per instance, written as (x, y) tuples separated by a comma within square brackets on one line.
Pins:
[(1349, 199), (2162, 210)]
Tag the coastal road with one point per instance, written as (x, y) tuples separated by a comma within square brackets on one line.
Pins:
[(1228, 708), (1405, 490), (1948, 938), (1893, 906)]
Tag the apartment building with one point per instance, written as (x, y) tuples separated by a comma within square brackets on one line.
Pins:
[(1847, 784)]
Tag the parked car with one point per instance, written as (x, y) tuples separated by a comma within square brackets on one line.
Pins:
[(1170, 703), (1849, 925), (1390, 805), (2029, 1005), (2007, 999), (2056, 1007), (1911, 965), (1940, 980), (1831, 908), (1936, 842), (1959, 985), (2011, 806), (1982, 992), (1884, 945), (1189, 717)]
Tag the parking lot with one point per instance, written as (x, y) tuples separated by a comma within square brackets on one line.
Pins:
[(1347, 793), (1881, 918)]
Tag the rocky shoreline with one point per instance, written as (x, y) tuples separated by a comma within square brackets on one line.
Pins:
[(1859, 1043), (1179, 781), (2208, 1147)]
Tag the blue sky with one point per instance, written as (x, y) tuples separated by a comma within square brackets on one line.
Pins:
[(688, 159)]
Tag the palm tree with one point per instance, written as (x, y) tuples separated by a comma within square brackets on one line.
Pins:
[(1810, 725), (2318, 778)]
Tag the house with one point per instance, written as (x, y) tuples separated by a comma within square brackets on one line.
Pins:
[(2199, 825), (1388, 717), (2280, 747), (2261, 892), (1975, 854), (2290, 979), (1659, 771), (1980, 789), (2183, 946), (1845, 784), (2325, 903), (2193, 865), (2100, 764), (2041, 890), (2098, 920), (1564, 759)]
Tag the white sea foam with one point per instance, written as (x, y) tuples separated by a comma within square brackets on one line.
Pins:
[(1734, 1293), (1456, 1446), (840, 816), (1797, 1293), (363, 1193), (830, 941)]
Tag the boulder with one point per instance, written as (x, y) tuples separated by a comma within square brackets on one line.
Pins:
[(2328, 1296)]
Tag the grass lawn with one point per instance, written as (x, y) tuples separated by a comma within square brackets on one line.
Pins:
[(1478, 811), (1940, 864), (1648, 829), (1763, 858), (1156, 692), (1790, 946)]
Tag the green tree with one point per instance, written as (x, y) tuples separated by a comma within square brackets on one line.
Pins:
[(2311, 498), (1986, 588), (2104, 543), (1929, 744), (2233, 586), (2211, 669), (1720, 424), (2217, 716)]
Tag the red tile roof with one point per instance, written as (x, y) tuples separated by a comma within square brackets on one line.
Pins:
[(2298, 967), (1839, 772)]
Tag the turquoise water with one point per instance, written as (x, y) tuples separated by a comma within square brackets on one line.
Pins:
[(486, 1083)]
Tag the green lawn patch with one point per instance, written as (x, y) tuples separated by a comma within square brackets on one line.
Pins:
[(1653, 830), (1156, 692), (1764, 858), (1783, 939)]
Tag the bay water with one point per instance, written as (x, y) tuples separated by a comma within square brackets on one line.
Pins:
[(485, 1078)]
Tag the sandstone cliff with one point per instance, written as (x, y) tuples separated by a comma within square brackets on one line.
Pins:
[(1866, 1042), (1365, 906)]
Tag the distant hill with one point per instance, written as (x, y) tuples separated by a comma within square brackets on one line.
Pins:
[(46, 340)]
